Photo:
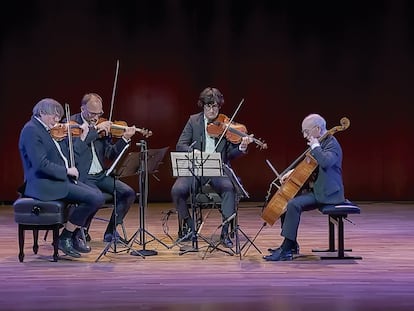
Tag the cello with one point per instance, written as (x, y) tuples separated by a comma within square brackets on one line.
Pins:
[(303, 166)]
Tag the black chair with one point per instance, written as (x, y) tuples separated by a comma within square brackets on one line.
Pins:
[(206, 198), (336, 216), (35, 215)]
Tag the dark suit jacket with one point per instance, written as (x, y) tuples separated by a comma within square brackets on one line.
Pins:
[(45, 173), (328, 187), (194, 132), (105, 149)]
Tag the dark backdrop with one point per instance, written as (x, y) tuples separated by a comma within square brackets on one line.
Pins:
[(285, 58)]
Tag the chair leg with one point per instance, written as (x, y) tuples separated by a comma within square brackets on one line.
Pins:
[(55, 243), (21, 243), (35, 241), (339, 221)]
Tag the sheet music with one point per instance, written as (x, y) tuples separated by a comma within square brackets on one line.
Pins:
[(198, 164), (109, 171)]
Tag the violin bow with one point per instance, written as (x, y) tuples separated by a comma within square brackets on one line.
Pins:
[(113, 90), (229, 123), (70, 141), (71, 155)]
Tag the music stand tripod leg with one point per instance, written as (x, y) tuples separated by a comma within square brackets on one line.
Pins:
[(251, 241), (143, 200), (115, 238), (215, 246)]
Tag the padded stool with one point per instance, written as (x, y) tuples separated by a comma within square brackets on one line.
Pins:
[(35, 215), (336, 215)]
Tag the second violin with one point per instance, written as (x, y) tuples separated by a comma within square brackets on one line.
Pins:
[(233, 131), (118, 128)]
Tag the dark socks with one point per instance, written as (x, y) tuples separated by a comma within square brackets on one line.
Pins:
[(288, 244), (66, 234)]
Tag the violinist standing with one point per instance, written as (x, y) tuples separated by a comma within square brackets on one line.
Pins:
[(48, 175), (327, 187), (93, 153), (195, 136)]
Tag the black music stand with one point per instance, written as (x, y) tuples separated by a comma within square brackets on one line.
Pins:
[(275, 183), (240, 194), (125, 165), (197, 166), (149, 160)]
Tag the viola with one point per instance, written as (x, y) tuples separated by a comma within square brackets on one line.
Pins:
[(60, 130), (234, 132), (118, 128)]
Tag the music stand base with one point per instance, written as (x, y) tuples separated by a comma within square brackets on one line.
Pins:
[(114, 245), (144, 253), (187, 249)]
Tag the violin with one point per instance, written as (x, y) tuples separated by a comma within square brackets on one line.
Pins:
[(234, 131), (118, 128), (60, 130)]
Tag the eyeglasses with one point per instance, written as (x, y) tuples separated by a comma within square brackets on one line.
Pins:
[(307, 131), (211, 106), (94, 114)]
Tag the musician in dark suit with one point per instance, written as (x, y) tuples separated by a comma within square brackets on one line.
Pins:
[(95, 151), (194, 137), (49, 176), (327, 188)]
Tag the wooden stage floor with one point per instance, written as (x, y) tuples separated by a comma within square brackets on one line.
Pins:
[(383, 235)]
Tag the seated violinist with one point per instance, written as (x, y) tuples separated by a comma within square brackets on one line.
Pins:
[(91, 156), (327, 187), (195, 136), (49, 175)]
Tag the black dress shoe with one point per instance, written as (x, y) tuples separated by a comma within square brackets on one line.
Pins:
[(226, 241), (87, 237), (79, 243), (66, 246), (295, 250), (280, 256)]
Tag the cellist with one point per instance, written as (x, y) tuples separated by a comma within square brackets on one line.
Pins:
[(327, 187)]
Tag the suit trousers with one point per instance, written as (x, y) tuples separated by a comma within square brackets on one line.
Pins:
[(89, 201), (184, 186), (125, 195), (291, 218)]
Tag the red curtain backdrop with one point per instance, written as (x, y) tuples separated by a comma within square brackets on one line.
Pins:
[(285, 60)]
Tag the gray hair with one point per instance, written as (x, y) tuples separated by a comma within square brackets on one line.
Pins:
[(48, 106), (317, 120)]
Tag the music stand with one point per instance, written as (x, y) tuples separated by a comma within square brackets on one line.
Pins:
[(150, 159), (271, 185), (196, 165), (240, 194), (125, 165)]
